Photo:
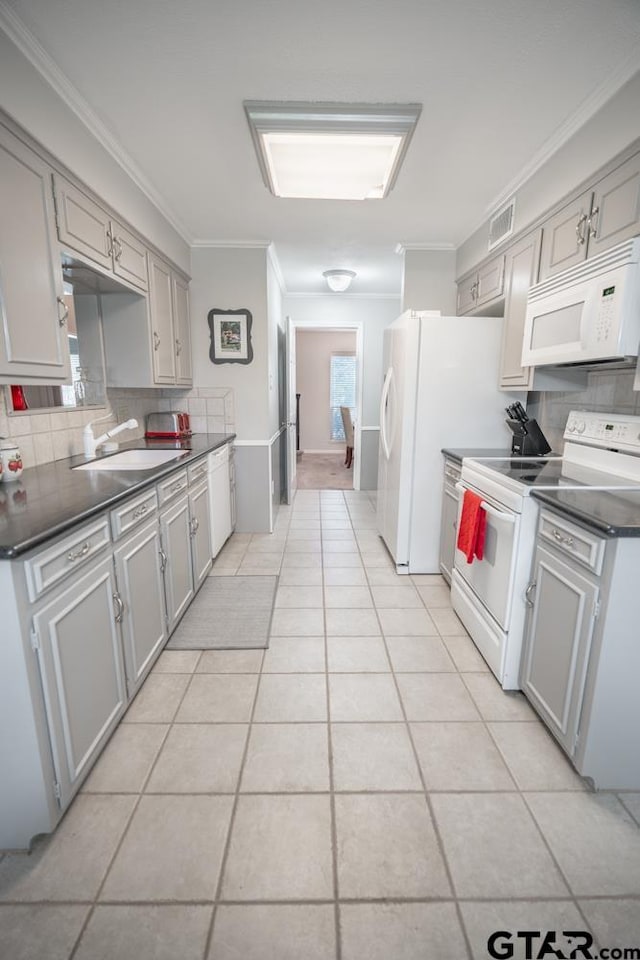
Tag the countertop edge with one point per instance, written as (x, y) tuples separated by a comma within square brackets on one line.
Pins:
[(587, 520), (156, 474)]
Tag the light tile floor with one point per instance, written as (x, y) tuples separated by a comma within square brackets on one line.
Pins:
[(362, 789)]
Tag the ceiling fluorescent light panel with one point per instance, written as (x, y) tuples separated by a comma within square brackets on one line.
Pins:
[(330, 151)]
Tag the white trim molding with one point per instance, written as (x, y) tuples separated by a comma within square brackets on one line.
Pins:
[(402, 248), (38, 57)]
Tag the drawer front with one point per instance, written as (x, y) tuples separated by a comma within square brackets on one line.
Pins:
[(172, 486), (133, 513), (198, 471), (572, 541), (49, 567)]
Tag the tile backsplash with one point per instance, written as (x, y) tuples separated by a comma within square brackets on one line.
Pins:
[(606, 391), (56, 434)]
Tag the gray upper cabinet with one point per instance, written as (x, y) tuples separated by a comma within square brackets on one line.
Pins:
[(84, 226), (79, 651), (481, 288), (615, 213), (605, 214), (557, 644), (521, 271), (182, 330), (33, 335), (565, 236), (161, 312)]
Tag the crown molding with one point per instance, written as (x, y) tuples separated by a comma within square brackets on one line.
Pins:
[(402, 248), (623, 72), (343, 296), (231, 244), (277, 269), (38, 57)]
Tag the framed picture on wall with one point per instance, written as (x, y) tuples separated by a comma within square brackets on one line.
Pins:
[(230, 333)]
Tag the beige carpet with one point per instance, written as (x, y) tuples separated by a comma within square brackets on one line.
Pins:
[(323, 471)]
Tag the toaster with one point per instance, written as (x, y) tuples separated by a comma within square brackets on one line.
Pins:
[(171, 426)]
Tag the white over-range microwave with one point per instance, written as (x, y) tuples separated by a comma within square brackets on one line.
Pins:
[(586, 314)]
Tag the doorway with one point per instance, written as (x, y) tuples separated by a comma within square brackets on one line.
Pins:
[(328, 382)]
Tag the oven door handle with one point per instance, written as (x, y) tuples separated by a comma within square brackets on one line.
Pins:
[(489, 510)]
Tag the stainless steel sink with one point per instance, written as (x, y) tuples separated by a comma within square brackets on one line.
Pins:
[(132, 460)]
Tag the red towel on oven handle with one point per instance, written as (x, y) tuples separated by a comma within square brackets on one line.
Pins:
[(473, 524)]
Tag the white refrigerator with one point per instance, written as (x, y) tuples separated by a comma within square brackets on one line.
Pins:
[(440, 390)]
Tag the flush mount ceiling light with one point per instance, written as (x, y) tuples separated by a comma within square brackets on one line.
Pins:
[(330, 151), (338, 280)]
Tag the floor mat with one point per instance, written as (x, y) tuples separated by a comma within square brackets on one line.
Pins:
[(229, 613)]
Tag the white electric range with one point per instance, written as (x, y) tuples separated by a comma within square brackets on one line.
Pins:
[(602, 452)]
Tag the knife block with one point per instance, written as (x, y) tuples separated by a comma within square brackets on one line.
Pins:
[(528, 439)]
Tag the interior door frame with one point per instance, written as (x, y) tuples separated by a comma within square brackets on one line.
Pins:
[(356, 326)]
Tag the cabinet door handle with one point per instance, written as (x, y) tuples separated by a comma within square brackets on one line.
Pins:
[(593, 222), (156, 341), (178, 347), (118, 245), (195, 523), (140, 512), (118, 599), (163, 559), (82, 552), (65, 311), (579, 229), (529, 592), (568, 541)]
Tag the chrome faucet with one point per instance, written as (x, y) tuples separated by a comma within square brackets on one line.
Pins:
[(91, 443)]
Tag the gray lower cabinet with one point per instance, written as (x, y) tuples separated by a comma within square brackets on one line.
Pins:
[(78, 647), (141, 601), (558, 644), (175, 533), (449, 522), (200, 529)]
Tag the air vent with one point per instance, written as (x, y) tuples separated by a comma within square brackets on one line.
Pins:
[(501, 225)]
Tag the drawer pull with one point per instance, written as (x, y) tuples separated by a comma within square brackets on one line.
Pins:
[(82, 552), (175, 487), (568, 541), (140, 512)]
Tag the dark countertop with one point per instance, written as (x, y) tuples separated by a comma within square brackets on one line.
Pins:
[(611, 514), (458, 453), (52, 498)]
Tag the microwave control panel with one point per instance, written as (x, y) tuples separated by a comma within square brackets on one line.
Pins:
[(605, 313)]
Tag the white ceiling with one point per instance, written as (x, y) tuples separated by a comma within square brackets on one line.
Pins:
[(497, 81)]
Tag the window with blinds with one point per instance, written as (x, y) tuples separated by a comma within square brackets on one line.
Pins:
[(342, 390)]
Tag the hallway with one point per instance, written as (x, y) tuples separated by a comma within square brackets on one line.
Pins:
[(323, 471)]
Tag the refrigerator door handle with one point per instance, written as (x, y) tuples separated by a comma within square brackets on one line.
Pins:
[(383, 413)]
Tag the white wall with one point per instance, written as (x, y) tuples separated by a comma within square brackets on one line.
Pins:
[(234, 279), (31, 102), (374, 313), (610, 130), (275, 319), (430, 281), (314, 349)]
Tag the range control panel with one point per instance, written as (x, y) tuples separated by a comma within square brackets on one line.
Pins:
[(615, 431)]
